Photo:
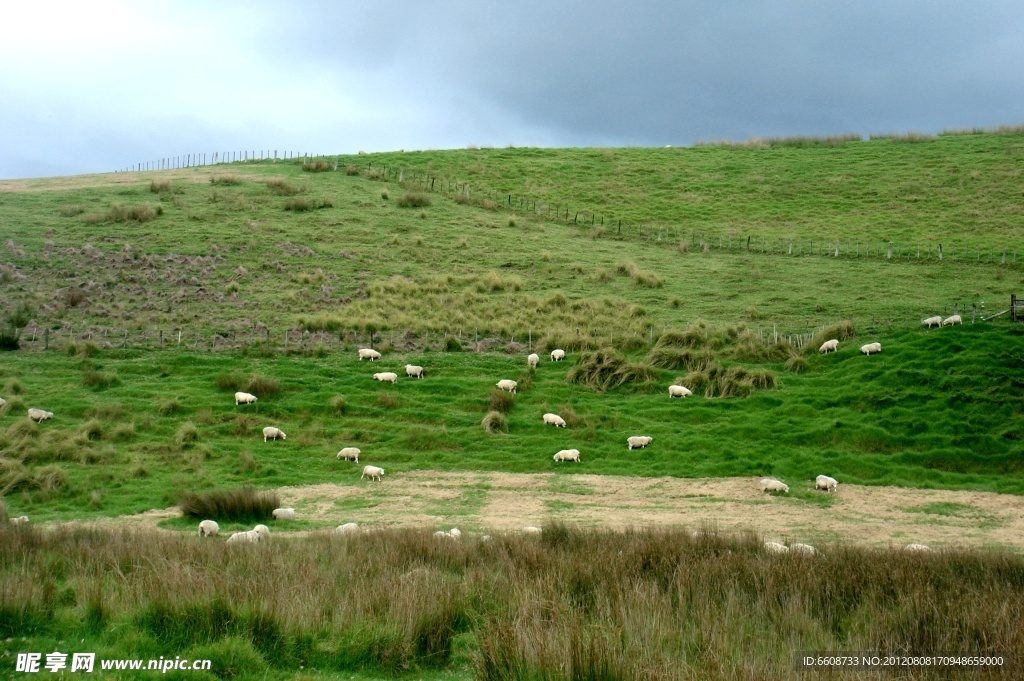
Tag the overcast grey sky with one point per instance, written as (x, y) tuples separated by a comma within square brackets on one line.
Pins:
[(96, 86)]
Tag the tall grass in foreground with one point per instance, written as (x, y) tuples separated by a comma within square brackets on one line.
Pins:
[(571, 604)]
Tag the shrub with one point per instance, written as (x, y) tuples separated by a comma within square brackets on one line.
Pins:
[(452, 344), (495, 422), (9, 340), (187, 435), (20, 317), (413, 200), (605, 369), (500, 401), (243, 504)]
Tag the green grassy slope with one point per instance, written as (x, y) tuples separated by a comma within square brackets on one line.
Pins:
[(953, 189), (937, 408)]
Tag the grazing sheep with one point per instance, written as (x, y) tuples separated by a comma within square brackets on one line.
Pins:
[(805, 549), (272, 433), (368, 353), (557, 355), (244, 398), (349, 454), (829, 346), (485, 538), (3, 402), (284, 514), (948, 321), (413, 371), (532, 361), (38, 415), (507, 385), (932, 321), (679, 391), (209, 528), (773, 485), (20, 520), (871, 348), (826, 483), (263, 532), (348, 528), (453, 533), (372, 472), (775, 547), (386, 377), (639, 441), (917, 547), (251, 537), (554, 420), (568, 455), (531, 529)]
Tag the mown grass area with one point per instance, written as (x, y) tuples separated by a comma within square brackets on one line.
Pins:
[(957, 189), (222, 262), (568, 604), (937, 408)]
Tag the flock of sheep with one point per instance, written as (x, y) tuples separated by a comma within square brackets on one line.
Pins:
[(209, 528)]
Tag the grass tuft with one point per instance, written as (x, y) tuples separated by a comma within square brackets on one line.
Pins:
[(605, 369), (494, 422), (413, 200), (242, 504)]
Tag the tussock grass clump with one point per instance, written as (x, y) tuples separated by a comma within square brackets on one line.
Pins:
[(317, 166), (74, 296), (9, 340), (71, 210), (187, 435), (495, 422), (82, 349), (281, 187), (138, 213), (15, 405), (168, 406), (160, 186), (413, 200), (260, 386), (97, 380), (338, 405), (796, 364), (675, 358), (734, 381), (841, 331), (91, 430), (351, 170), (301, 204), (226, 179), (605, 369), (640, 277), (500, 401), (388, 401), (242, 504), (13, 386)]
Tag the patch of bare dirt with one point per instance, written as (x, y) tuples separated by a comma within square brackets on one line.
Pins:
[(506, 501)]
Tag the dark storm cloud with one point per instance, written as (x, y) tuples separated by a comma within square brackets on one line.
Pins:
[(336, 77)]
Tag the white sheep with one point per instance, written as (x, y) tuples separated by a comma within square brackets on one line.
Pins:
[(453, 533), (533, 530), (948, 321), (348, 528), (272, 433), (639, 441), (829, 345), (3, 403), (532, 361), (368, 353), (349, 454), (507, 385), (244, 398), (386, 377), (568, 455), (557, 355), (251, 537), (263, 532), (679, 391), (773, 485), (932, 321), (413, 371), (917, 547), (554, 420), (775, 547), (871, 348), (39, 415), (20, 520), (209, 528), (372, 472), (284, 513), (826, 483), (805, 549)]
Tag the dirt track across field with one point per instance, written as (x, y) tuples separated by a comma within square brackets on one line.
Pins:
[(875, 516)]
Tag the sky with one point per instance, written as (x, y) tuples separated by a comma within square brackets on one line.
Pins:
[(98, 86)]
